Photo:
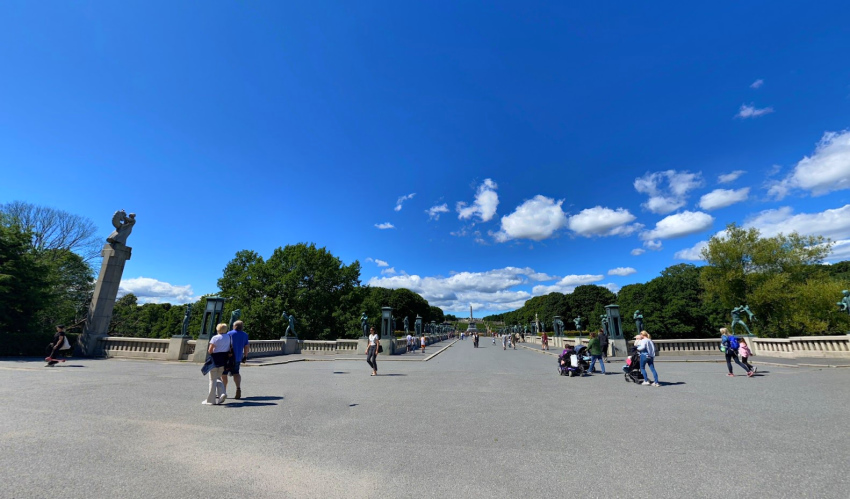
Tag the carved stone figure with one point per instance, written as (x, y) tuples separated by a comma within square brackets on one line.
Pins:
[(234, 316), (844, 304), (406, 325), (604, 319), (736, 318), (186, 320), (558, 325), (123, 224), (577, 322), (364, 324), (638, 317), (290, 328)]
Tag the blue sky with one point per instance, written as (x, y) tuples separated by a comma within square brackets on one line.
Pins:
[(515, 148)]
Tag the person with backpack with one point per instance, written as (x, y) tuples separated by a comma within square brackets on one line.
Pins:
[(644, 345), (729, 345)]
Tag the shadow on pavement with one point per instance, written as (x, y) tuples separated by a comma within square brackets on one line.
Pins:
[(251, 402), (392, 375), (665, 383)]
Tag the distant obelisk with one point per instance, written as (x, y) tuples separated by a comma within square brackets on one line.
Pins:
[(471, 319)]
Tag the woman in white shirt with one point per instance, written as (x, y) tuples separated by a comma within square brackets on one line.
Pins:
[(646, 348), (219, 349), (372, 351)]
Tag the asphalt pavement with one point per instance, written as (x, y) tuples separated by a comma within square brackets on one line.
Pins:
[(468, 423)]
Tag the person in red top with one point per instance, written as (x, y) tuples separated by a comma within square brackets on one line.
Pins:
[(545, 341)]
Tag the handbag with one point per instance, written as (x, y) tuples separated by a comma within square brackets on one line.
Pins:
[(231, 359), (380, 348)]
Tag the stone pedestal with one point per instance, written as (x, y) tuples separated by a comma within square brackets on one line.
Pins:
[(290, 345), (201, 346), (103, 301), (175, 347)]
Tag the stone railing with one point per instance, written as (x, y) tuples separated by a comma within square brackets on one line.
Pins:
[(803, 346), (264, 348), (135, 348), (346, 346), (188, 350), (313, 347), (708, 346)]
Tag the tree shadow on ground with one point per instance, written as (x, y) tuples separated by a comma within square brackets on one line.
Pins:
[(251, 402)]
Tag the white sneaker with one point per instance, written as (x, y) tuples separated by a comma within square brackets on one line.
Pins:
[(645, 383), (222, 398), (204, 402), (655, 384)]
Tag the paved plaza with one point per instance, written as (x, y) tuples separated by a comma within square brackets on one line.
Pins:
[(467, 423)]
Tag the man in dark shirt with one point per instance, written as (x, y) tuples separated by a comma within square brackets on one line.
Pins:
[(58, 342), (603, 343)]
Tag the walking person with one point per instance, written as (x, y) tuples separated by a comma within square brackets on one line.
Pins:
[(505, 341), (239, 340), (644, 345), (729, 345), (423, 343), (372, 351), (544, 341), (595, 349), (746, 353), (603, 343), (219, 350)]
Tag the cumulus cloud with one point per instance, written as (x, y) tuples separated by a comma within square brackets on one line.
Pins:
[(484, 206), (840, 251), (832, 223), (379, 263), (389, 271), (599, 221), (679, 225), (435, 211), (385, 225), (567, 284), (730, 177), (757, 84), (622, 271), (693, 253), (492, 289), (721, 198), (667, 190), (536, 219), (826, 170), (402, 199), (653, 245), (638, 251), (149, 290), (750, 111)]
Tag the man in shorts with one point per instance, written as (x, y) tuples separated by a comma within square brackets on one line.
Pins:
[(240, 352)]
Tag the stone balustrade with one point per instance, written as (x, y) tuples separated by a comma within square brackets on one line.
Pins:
[(135, 348), (346, 346), (263, 348), (803, 346), (313, 347)]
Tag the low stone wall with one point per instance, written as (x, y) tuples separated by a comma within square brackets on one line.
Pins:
[(135, 348)]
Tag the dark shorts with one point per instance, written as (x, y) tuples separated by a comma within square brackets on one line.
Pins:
[(233, 370)]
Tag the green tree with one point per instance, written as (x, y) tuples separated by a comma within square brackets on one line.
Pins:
[(24, 282), (767, 273)]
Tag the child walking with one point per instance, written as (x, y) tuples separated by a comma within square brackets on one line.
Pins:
[(746, 353)]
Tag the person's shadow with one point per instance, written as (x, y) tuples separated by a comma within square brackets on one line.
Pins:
[(667, 383), (251, 402)]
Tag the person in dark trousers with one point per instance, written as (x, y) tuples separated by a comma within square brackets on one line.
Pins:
[(595, 353), (372, 351), (56, 345), (603, 343), (731, 353), (240, 351)]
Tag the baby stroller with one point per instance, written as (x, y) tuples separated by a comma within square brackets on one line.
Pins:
[(632, 368), (576, 361)]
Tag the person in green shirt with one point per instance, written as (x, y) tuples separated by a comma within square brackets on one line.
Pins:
[(595, 349)]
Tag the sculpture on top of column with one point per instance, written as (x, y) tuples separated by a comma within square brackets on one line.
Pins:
[(123, 224)]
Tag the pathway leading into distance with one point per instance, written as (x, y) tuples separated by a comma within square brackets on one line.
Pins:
[(468, 423)]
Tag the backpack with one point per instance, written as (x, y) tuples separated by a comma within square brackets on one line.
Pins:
[(733, 342)]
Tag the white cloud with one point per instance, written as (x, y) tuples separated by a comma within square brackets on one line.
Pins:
[(484, 206), (653, 245), (435, 211), (757, 84), (491, 289), (832, 223), (750, 111), (614, 288), (599, 221), (667, 190), (638, 251), (679, 225), (389, 271), (379, 263), (385, 225), (566, 285), (402, 199), (730, 177), (827, 170), (693, 253), (535, 219), (840, 251), (149, 290), (721, 198), (622, 271)]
